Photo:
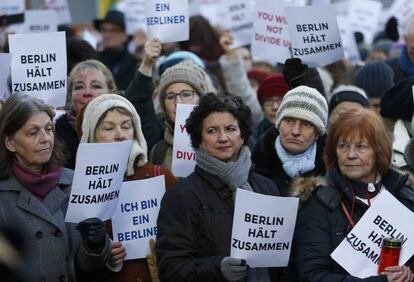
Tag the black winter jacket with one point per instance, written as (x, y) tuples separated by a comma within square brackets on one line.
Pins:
[(195, 225), (322, 225), (267, 162)]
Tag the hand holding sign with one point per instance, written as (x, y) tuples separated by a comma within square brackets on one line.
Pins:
[(233, 269), (94, 234), (226, 40)]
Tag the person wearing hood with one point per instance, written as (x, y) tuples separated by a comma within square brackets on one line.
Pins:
[(293, 146), (112, 118), (357, 156)]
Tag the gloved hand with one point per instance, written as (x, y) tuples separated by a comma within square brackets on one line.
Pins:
[(293, 69), (391, 29), (233, 269), (93, 234)]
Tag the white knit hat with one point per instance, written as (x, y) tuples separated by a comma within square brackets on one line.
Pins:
[(93, 112), (304, 103)]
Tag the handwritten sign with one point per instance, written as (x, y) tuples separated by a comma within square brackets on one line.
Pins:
[(262, 232), (167, 20), (39, 66), (271, 40), (359, 252), (135, 220), (97, 181), (315, 34), (183, 161)]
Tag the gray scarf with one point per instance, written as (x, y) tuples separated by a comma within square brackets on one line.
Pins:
[(234, 174)]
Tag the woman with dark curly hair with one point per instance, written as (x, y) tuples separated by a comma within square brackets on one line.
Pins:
[(195, 220)]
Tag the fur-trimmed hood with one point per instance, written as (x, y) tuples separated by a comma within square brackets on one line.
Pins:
[(303, 187)]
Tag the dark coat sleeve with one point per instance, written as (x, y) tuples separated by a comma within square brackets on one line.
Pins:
[(313, 246), (139, 93), (176, 244)]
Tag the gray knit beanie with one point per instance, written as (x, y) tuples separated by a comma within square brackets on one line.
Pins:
[(186, 72), (375, 78), (304, 103)]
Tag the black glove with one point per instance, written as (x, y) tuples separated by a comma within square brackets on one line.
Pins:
[(294, 69), (233, 269), (93, 234), (391, 29)]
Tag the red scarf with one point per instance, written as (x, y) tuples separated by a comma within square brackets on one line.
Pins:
[(38, 184)]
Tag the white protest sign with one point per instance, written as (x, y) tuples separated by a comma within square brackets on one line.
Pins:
[(359, 252), (97, 180), (238, 21), (298, 2), (403, 10), (271, 39), (134, 11), (61, 8), (364, 16), (11, 7), (37, 21), (39, 66), (315, 34), (135, 220), (321, 2), (167, 20), (210, 10), (193, 8), (5, 62), (348, 40), (183, 161), (90, 38), (263, 228)]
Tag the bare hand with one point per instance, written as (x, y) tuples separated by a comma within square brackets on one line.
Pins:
[(152, 50), (399, 274), (117, 254), (226, 40)]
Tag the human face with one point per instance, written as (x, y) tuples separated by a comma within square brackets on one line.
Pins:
[(244, 53), (375, 104), (356, 159), (115, 127), (296, 135), (171, 105), (221, 136), (409, 43), (33, 143), (113, 37), (270, 107), (87, 84), (341, 108)]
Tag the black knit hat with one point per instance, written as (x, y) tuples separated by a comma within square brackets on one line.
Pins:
[(398, 101), (375, 78), (347, 93), (114, 17)]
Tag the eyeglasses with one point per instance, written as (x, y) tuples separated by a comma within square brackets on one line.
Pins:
[(272, 100), (185, 95)]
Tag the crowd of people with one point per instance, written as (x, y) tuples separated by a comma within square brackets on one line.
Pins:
[(335, 137)]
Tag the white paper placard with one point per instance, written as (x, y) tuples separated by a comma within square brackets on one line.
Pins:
[(363, 17), (271, 39), (262, 232), (11, 7), (359, 252), (348, 40), (194, 7), (39, 66), (97, 180), (90, 38), (135, 220), (62, 10), (167, 20), (315, 35), (5, 62), (238, 21), (210, 10), (403, 10), (183, 161), (134, 11), (38, 21)]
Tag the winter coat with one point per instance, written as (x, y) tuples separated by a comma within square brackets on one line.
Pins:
[(53, 246), (322, 224), (195, 226), (133, 270), (67, 135), (267, 162)]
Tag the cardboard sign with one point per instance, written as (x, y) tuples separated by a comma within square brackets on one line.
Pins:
[(97, 180), (61, 8), (39, 66), (315, 34), (167, 20), (359, 252), (183, 161), (263, 228), (271, 40), (364, 16), (238, 21), (5, 62), (38, 21), (134, 11), (11, 7), (135, 220)]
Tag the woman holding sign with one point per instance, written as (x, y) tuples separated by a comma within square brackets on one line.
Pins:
[(357, 156), (112, 118), (195, 219), (34, 192)]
